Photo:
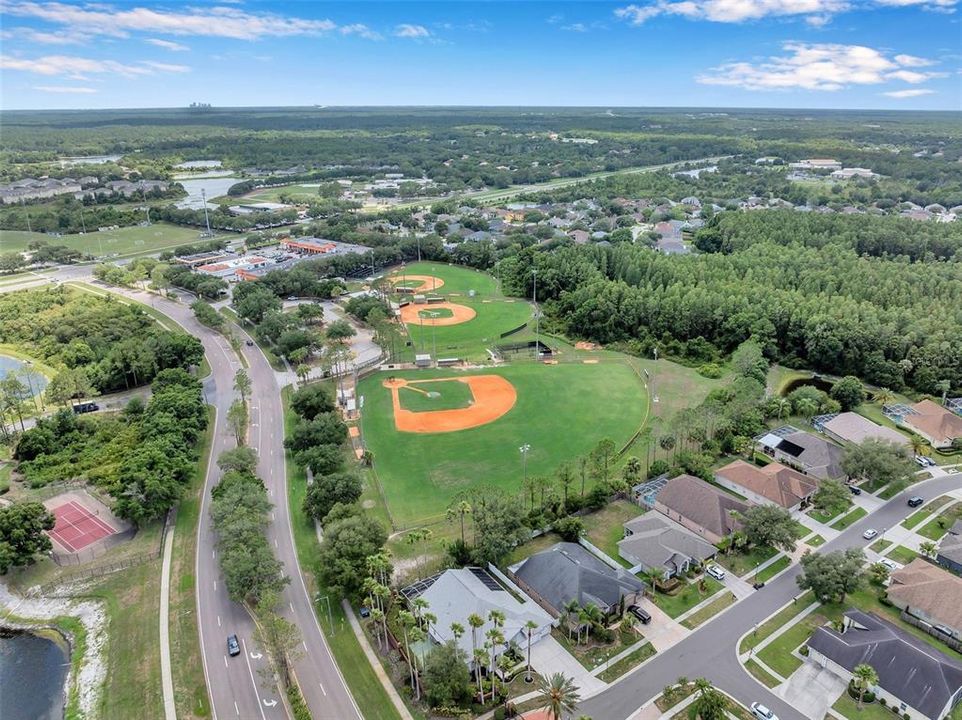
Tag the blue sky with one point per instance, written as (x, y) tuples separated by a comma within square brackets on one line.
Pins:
[(900, 54)]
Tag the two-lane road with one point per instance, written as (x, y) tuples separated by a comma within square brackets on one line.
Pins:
[(711, 651)]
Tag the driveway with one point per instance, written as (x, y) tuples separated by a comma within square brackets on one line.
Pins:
[(811, 690), (662, 632), (548, 656)]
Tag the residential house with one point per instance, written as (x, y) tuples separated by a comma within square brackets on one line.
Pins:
[(700, 507), (774, 484), (929, 593), (453, 595), (914, 677), (849, 427), (949, 554), (853, 172), (580, 237), (938, 425), (655, 542), (567, 571), (803, 451)]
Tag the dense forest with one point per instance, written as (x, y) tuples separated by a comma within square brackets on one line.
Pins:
[(837, 294), (100, 343)]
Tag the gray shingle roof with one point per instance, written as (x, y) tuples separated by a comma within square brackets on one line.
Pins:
[(657, 542), (701, 503), (823, 457), (910, 669), (567, 571)]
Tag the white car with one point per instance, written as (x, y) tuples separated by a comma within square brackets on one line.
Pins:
[(716, 572), (890, 564), (762, 712), (870, 533)]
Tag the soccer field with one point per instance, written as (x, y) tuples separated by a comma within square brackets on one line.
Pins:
[(458, 280), (135, 240), (561, 411)]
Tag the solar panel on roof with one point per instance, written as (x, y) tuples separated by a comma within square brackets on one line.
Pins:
[(485, 577)]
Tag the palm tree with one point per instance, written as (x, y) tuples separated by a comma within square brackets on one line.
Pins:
[(865, 677), (529, 626), (407, 623), (667, 443), (943, 386), (651, 578), (594, 616), (806, 407), (883, 396), (480, 658), (459, 511), (476, 622), (918, 444), (928, 548), (457, 630), (710, 704), (377, 616), (741, 444), (782, 405), (559, 695)]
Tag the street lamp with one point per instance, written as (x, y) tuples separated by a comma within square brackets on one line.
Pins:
[(525, 449)]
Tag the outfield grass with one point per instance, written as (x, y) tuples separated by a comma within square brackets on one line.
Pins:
[(562, 411), (125, 241), (298, 193), (470, 340), (459, 281)]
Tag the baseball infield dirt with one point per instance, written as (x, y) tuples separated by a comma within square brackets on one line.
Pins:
[(410, 314), (493, 397)]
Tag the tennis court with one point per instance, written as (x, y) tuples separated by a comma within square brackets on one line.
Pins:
[(77, 527)]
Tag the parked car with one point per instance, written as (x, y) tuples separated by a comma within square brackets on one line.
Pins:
[(233, 647), (762, 712), (855, 490), (915, 501), (640, 613), (85, 407), (250, 343), (870, 533), (716, 572), (890, 564), (921, 461)]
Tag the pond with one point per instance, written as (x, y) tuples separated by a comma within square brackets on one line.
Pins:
[(33, 670), (213, 184), (35, 379), (815, 381)]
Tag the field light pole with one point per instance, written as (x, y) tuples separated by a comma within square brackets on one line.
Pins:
[(203, 197), (421, 324), (418, 237), (525, 449), (434, 334), (537, 316)]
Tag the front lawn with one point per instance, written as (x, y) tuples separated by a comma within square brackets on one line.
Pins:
[(778, 653), (815, 541), (924, 513), (880, 545), (741, 562), (799, 530), (761, 674), (850, 519), (938, 526), (902, 554), (709, 611), (592, 654), (686, 597), (769, 627), (605, 527), (767, 573), (631, 660), (847, 707), (823, 516)]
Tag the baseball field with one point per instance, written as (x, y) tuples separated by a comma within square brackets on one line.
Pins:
[(435, 433), (471, 317)]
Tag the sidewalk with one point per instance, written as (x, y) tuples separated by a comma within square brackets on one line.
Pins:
[(376, 663)]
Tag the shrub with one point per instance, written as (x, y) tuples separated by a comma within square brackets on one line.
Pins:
[(500, 713), (569, 528), (803, 651), (710, 370), (906, 716), (602, 634)]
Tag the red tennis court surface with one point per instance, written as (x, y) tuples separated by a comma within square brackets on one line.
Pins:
[(77, 527)]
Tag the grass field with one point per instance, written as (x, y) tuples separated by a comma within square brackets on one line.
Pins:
[(435, 396), (562, 411), (458, 280), (298, 193), (124, 241), (849, 519)]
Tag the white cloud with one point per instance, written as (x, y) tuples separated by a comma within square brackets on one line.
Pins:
[(913, 61), (575, 27), (908, 93), (56, 37), (167, 44), (406, 30), (65, 89), (826, 67), (217, 21), (733, 11), (80, 68), (936, 5), (361, 30), (165, 67)]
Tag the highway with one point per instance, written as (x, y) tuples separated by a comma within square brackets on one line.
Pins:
[(243, 686), (711, 651)]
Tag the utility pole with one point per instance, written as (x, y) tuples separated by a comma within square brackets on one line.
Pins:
[(146, 206), (203, 197), (83, 225)]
